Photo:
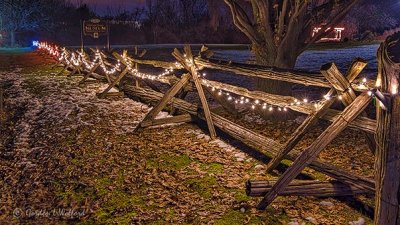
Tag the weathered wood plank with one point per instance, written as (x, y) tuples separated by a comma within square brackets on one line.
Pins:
[(89, 73), (355, 69), (387, 158), (300, 132), (195, 77), (250, 138), (226, 105), (343, 86), (118, 94), (113, 83), (362, 123), (291, 76), (170, 120), (306, 188), (166, 98), (170, 80), (311, 153)]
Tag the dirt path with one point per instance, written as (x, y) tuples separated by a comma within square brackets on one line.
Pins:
[(69, 157)]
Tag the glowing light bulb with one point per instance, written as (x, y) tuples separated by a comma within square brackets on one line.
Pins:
[(394, 89)]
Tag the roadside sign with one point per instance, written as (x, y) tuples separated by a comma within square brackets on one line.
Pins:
[(95, 28)]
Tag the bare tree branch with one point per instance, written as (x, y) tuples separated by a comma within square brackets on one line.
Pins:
[(242, 21)]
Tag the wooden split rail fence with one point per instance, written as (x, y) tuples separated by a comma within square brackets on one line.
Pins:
[(382, 134)]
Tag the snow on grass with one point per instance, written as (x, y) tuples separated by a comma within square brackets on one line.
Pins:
[(237, 154), (61, 102)]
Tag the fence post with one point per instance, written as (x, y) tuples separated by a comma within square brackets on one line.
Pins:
[(387, 159)]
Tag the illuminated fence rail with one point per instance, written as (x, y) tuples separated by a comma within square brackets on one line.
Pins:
[(185, 75)]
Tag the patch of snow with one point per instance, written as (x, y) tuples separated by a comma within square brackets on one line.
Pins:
[(326, 204), (360, 221), (312, 220), (259, 167)]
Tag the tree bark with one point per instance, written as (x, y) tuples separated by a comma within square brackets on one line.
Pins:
[(266, 58), (269, 59)]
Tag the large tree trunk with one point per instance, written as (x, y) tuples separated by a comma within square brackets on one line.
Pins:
[(282, 60)]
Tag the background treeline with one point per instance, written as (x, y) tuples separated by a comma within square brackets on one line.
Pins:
[(161, 21)]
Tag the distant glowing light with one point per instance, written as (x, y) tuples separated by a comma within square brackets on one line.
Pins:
[(35, 43)]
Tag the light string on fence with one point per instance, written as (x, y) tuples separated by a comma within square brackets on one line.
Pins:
[(89, 64), (51, 49), (231, 97), (115, 68), (135, 72), (254, 103)]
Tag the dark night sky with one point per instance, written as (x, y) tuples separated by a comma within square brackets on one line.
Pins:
[(102, 5)]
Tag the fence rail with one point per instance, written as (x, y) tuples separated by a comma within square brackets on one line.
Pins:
[(382, 134)]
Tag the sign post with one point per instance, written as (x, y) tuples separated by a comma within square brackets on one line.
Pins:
[(96, 28)]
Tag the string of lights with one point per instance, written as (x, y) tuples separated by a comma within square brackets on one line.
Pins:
[(135, 72), (51, 49), (231, 97)]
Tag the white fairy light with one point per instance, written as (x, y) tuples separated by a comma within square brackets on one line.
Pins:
[(394, 89), (327, 97)]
